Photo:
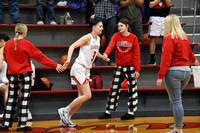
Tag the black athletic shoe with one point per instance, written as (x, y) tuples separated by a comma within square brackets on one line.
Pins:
[(105, 116), (127, 117), (23, 129), (4, 128), (152, 62)]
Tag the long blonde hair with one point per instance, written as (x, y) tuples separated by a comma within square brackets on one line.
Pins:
[(20, 28), (173, 26)]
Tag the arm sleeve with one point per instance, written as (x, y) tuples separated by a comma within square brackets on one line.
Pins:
[(136, 55), (168, 47), (192, 57), (40, 57), (111, 44)]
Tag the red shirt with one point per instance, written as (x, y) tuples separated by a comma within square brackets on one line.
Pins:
[(127, 50), (19, 60), (175, 52)]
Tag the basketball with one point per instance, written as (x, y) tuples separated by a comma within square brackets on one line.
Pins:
[(103, 41), (146, 39), (46, 81), (63, 59)]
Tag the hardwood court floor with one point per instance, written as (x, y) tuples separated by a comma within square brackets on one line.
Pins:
[(115, 125)]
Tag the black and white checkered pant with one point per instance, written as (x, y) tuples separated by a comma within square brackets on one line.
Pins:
[(119, 74), (16, 82)]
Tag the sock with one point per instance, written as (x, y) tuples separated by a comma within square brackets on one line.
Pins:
[(108, 112), (67, 109), (130, 113), (152, 57)]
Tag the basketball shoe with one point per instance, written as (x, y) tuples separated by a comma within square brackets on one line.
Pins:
[(174, 131), (60, 3), (70, 124), (65, 118)]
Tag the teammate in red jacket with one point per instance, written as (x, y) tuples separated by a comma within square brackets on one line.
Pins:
[(127, 56), (17, 53), (174, 66)]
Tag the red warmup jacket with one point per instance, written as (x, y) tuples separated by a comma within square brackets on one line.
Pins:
[(127, 50), (19, 60), (175, 52)]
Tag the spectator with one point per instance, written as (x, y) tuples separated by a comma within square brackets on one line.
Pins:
[(127, 54), (130, 10), (88, 11), (175, 67), (62, 3), (50, 11), (106, 10), (13, 10), (159, 9)]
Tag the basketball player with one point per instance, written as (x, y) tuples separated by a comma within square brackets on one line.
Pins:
[(17, 53), (3, 69), (89, 48)]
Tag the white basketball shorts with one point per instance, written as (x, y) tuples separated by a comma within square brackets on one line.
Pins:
[(79, 74), (156, 27)]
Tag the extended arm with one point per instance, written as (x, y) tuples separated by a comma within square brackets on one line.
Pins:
[(82, 41)]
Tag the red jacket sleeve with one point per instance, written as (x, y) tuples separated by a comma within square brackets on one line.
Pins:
[(136, 55), (192, 56), (168, 47), (111, 45), (40, 57)]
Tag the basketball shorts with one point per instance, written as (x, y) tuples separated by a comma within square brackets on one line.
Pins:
[(156, 27), (79, 74)]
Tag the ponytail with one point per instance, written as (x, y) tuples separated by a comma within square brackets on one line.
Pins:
[(20, 28)]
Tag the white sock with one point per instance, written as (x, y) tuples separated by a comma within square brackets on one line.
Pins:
[(130, 113), (108, 112), (67, 109)]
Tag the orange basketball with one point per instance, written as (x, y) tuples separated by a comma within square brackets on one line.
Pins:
[(103, 41), (63, 59), (146, 39), (46, 81)]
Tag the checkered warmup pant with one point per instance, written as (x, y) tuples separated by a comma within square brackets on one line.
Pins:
[(119, 74), (16, 82)]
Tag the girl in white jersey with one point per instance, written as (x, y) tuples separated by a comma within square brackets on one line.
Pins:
[(89, 48)]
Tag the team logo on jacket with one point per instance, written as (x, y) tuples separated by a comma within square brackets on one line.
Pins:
[(124, 46)]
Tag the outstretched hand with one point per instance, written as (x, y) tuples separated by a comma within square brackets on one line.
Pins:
[(66, 64), (59, 68), (105, 58), (136, 75)]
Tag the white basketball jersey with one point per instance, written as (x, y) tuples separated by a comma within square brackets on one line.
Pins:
[(88, 52)]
